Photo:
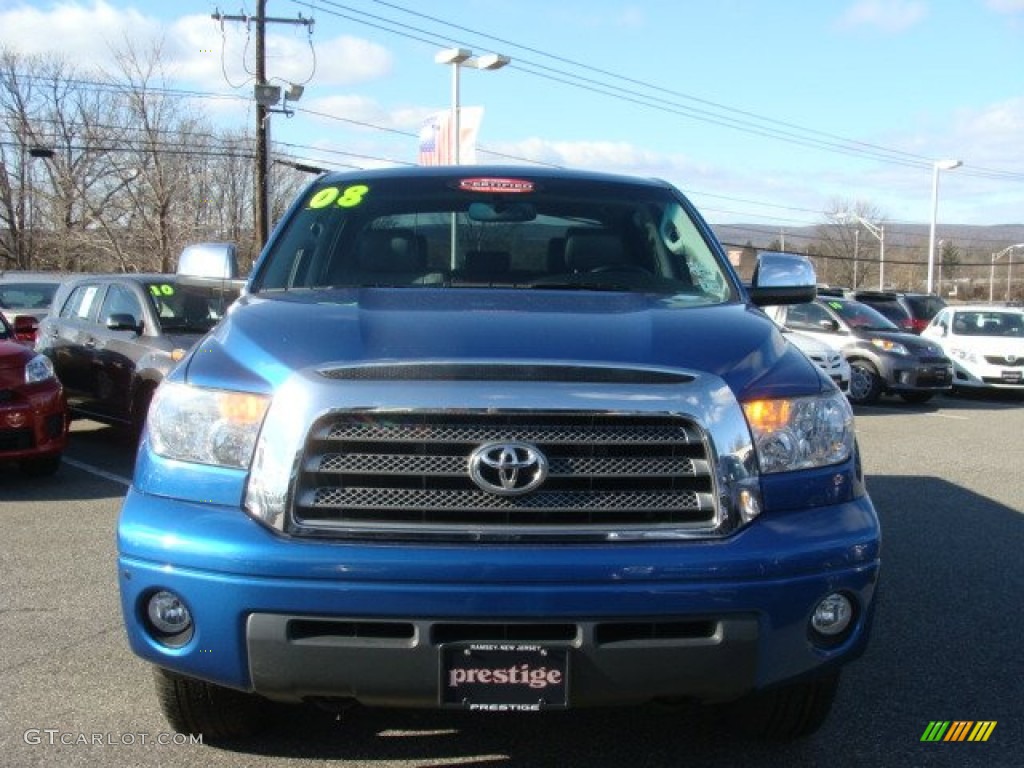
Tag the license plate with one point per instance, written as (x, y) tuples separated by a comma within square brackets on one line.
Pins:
[(1012, 376), (504, 677)]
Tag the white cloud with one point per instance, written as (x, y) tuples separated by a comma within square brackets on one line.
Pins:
[(58, 31), (613, 156), (195, 48), (208, 54), (1006, 6), (890, 16)]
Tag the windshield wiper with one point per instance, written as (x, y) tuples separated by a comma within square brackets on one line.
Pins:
[(576, 285)]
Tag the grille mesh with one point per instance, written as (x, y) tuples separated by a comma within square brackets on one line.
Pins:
[(389, 474)]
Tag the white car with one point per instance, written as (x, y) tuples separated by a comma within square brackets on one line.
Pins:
[(830, 359), (985, 343)]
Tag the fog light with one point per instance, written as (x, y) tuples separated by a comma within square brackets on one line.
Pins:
[(832, 616), (168, 613)]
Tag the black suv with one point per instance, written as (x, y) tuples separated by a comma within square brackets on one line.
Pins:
[(112, 338), (911, 312), (883, 359)]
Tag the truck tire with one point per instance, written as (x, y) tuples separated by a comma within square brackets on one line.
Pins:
[(790, 711), (865, 383), (197, 707)]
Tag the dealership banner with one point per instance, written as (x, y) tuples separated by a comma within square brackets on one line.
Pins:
[(436, 137)]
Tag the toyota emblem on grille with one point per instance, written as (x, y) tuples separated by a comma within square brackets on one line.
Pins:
[(508, 469)]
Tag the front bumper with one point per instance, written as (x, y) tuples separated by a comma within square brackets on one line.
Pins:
[(904, 374), (986, 376), (33, 423), (298, 619)]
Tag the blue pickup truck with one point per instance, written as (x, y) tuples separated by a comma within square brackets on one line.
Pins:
[(498, 439)]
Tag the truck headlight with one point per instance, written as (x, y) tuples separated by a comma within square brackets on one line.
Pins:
[(205, 426), (801, 432)]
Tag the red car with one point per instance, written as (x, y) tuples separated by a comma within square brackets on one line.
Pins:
[(33, 409)]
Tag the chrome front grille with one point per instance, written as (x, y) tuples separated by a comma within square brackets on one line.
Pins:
[(1006, 362), (396, 475)]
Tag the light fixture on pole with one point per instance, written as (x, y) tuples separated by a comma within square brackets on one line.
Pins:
[(458, 58), (878, 231), (992, 270), (938, 165)]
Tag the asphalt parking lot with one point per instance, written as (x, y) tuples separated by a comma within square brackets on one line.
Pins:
[(947, 643)]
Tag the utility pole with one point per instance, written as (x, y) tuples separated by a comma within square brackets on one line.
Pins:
[(262, 215)]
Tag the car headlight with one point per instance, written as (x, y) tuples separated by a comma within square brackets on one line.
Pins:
[(205, 426), (39, 368), (888, 345), (801, 432)]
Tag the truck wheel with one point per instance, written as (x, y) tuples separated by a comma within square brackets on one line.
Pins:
[(865, 383), (789, 711), (197, 707)]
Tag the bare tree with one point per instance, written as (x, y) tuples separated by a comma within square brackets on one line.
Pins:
[(847, 254)]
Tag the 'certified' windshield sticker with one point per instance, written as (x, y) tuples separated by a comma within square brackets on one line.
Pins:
[(349, 197), (496, 185)]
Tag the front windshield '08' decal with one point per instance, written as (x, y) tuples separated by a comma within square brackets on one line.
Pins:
[(162, 290), (349, 197)]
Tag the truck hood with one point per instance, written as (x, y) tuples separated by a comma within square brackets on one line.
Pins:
[(266, 337)]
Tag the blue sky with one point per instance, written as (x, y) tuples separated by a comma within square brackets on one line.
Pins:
[(768, 113)]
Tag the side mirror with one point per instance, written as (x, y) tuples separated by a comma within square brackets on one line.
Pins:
[(829, 325), (782, 278), (123, 322)]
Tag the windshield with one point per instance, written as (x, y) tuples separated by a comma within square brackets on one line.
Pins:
[(186, 308), (510, 233), (986, 323), (861, 317), (26, 295)]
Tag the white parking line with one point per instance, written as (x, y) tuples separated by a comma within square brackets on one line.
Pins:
[(97, 471)]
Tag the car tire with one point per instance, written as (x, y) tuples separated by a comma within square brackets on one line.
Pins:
[(917, 397), (790, 711), (41, 467), (866, 384), (198, 707)]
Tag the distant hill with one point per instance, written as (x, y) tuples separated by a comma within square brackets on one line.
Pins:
[(977, 242)]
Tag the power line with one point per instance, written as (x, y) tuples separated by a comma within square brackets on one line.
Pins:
[(707, 111)]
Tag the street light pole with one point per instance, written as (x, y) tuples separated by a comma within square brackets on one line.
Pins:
[(878, 230), (938, 165), (1009, 266), (458, 58)]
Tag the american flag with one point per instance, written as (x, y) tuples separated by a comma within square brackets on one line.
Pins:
[(436, 145), (434, 139)]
